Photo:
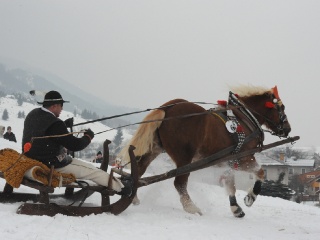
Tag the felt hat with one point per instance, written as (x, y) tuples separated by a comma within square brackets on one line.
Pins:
[(52, 97)]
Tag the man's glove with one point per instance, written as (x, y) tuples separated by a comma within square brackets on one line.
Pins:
[(89, 133), (69, 122)]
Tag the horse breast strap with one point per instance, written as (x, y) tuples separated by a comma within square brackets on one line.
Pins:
[(252, 122), (233, 125)]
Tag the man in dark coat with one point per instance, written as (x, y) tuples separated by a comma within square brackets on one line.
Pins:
[(98, 158), (10, 135), (50, 140)]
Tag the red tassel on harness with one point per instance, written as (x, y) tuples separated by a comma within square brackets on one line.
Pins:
[(269, 105), (235, 166), (239, 128), (222, 102)]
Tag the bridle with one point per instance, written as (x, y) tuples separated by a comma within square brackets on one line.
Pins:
[(275, 104)]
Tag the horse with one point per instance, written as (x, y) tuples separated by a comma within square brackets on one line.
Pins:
[(187, 133)]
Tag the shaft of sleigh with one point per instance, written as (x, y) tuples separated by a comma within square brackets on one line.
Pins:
[(212, 160)]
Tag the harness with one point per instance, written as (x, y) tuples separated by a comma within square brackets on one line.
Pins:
[(235, 107)]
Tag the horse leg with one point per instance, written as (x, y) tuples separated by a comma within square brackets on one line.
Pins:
[(249, 164), (180, 184), (253, 193), (231, 189), (143, 162)]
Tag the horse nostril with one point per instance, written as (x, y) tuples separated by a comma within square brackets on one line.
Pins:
[(287, 131)]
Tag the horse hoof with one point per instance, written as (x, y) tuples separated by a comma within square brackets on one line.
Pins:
[(249, 200), (136, 201), (193, 211), (240, 215), (189, 206), (238, 212)]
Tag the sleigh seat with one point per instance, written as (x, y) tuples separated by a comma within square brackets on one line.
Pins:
[(43, 201)]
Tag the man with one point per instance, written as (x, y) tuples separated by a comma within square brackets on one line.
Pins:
[(50, 140), (98, 158), (10, 135)]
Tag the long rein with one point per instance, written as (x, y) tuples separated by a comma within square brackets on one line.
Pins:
[(142, 122), (149, 121), (126, 114), (131, 113)]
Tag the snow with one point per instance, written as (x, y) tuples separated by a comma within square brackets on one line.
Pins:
[(160, 215)]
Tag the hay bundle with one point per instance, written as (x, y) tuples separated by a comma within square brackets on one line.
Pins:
[(15, 165)]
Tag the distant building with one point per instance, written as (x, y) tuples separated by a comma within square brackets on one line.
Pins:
[(311, 181), (273, 167)]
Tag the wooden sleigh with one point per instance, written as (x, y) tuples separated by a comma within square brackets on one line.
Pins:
[(43, 201)]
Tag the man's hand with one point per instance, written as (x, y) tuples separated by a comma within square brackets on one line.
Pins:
[(89, 133), (69, 122)]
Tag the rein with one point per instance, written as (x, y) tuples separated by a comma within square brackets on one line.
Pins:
[(282, 118), (142, 122), (131, 113), (163, 119)]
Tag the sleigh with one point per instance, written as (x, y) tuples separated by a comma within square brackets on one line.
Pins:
[(42, 203)]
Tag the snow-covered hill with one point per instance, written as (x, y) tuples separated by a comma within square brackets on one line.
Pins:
[(10, 103)]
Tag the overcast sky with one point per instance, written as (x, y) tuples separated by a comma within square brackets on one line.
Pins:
[(144, 53)]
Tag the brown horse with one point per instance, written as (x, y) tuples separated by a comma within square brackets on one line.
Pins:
[(188, 132)]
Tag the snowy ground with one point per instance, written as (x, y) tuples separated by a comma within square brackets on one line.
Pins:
[(160, 216)]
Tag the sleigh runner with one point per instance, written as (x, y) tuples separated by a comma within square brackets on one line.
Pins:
[(43, 202)]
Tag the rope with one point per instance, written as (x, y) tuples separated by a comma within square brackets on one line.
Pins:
[(155, 120), (170, 118), (142, 122), (146, 110), (51, 136)]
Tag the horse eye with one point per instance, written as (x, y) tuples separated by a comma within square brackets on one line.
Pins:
[(275, 100)]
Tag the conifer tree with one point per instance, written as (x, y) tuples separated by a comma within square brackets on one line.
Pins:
[(118, 140), (5, 115)]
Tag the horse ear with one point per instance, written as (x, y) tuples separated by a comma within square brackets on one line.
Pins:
[(275, 92)]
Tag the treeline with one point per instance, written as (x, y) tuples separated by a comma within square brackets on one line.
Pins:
[(87, 114), (5, 115)]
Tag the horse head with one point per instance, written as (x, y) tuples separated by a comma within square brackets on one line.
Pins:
[(269, 110), (278, 120)]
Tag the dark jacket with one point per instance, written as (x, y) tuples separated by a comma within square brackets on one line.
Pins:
[(10, 136), (50, 150), (99, 160)]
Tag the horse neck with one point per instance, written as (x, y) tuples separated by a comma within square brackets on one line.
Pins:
[(252, 103)]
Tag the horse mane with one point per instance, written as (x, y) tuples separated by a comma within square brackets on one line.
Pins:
[(249, 90)]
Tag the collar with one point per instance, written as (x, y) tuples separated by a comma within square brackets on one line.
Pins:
[(46, 110)]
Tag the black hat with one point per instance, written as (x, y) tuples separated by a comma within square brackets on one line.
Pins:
[(52, 97), (99, 153)]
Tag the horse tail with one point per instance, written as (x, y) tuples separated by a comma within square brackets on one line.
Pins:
[(142, 140)]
